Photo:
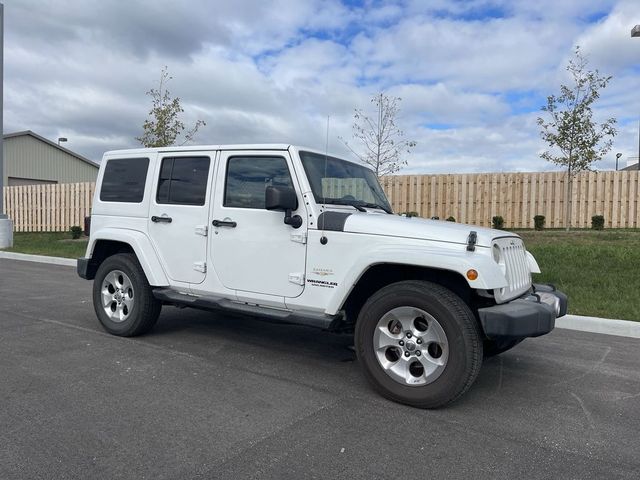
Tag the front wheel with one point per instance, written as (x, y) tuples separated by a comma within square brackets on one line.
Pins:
[(418, 343), (122, 298)]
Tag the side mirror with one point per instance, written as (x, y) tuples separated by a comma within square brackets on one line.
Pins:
[(280, 198), (283, 198)]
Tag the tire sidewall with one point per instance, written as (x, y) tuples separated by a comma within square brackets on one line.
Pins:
[(448, 384)]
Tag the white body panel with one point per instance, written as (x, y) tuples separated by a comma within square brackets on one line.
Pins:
[(327, 264), (264, 262), (407, 228), (140, 243), (257, 256), (182, 243)]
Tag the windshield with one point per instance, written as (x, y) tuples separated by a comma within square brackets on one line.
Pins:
[(340, 182)]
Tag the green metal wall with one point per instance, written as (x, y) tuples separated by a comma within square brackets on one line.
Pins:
[(28, 157)]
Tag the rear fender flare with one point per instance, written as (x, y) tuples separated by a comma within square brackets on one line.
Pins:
[(142, 247)]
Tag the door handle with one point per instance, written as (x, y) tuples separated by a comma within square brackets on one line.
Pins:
[(224, 223), (161, 219)]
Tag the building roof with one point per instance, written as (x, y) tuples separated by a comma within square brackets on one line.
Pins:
[(633, 166), (53, 144)]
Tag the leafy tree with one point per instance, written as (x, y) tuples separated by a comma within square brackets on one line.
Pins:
[(575, 139), (382, 141), (163, 127)]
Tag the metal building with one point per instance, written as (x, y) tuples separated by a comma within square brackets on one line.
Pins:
[(31, 159)]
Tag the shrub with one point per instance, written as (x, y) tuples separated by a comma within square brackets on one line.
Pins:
[(538, 222), (411, 214), (76, 232), (451, 219), (597, 222), (497, 222)]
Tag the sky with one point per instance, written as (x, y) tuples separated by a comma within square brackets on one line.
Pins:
[(472, 75)]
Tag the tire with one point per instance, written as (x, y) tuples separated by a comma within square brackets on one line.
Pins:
[(496, 347), (122, 297), (418, 316)]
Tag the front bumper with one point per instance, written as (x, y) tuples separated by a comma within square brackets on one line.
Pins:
[(529, 316)]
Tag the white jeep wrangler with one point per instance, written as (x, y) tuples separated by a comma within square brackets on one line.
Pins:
[(293, 235)]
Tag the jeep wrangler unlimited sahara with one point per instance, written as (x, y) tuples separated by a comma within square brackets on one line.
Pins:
[(293, 235)]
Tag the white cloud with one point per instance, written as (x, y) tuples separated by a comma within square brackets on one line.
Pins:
[(472, 75), (609, 41)]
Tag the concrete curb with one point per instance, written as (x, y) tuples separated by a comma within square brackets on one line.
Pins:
[(621, 328), (67, 262)]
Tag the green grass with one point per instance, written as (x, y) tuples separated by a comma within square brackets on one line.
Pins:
[(55, 244), (599, 271)]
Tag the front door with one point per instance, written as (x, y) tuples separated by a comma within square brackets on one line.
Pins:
[(179, 213), (252, 249)]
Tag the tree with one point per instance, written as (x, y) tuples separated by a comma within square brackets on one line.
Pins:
[(576, 140), (382, 141), (163, 127)]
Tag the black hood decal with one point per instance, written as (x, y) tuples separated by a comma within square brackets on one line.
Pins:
[(333, 221)]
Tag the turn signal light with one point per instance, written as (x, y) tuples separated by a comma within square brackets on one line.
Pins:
[(472, 274)]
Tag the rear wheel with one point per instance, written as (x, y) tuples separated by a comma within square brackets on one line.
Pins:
[(418, 343), (122, 297)]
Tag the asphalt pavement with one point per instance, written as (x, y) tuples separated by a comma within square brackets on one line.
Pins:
[(212, 396)]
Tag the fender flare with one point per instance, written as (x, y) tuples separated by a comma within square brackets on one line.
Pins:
[(142, 247), (490, 274)]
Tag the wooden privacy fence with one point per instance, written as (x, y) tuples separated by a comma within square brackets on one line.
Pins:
[(48, 208), (517, 197), (470, 198)]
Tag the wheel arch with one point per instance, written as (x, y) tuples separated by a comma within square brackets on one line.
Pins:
[(105, 243), (436, 263), (383, 274)]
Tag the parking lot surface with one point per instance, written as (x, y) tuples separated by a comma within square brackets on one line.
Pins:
[(211, 396)]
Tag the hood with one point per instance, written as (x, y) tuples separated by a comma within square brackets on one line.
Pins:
[(407, 227)]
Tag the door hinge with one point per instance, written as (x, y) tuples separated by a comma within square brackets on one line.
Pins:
[(202, 230), (297, 278), (200, 267), (299, 237)]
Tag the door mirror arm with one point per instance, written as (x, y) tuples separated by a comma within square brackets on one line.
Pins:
[(295, 221)]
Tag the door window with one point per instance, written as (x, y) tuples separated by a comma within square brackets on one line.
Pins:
[(248, 177), (183, 180)]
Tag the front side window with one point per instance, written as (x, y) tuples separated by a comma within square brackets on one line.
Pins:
[(124, 180), (248, 178), (183, 180), (339, 182)]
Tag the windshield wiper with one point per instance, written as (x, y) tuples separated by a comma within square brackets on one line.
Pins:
[(357, 206), (336, 201), (375, 205)]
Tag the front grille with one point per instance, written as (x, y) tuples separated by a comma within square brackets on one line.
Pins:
[(513, 259)]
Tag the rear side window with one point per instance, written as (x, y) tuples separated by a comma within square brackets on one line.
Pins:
[(248, 178), (183, 180), (124, 179)]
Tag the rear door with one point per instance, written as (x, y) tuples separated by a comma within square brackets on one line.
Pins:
[(179, 212)]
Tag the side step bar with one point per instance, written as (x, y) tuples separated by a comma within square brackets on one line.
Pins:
[(311, 319)]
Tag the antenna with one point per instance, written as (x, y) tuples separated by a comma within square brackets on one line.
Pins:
[(326, 155), (326, 160)]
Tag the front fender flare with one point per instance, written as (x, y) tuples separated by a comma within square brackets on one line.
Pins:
[(490, 275)]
